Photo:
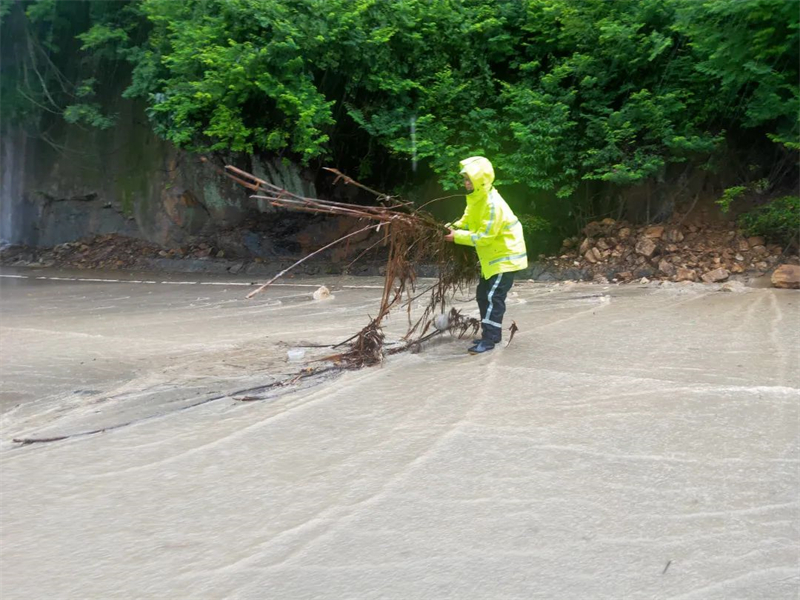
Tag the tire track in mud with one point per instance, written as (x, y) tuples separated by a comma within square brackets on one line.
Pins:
[(697, 386), (608, 300), (774, 328), (749, 314), (26, 441), (343, 515), (205, 311), (300, 402), (287, 410), (557, 322), (322, 517), (724, 586)]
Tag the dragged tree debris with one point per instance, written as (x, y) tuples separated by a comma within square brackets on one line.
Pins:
[(413, 236)]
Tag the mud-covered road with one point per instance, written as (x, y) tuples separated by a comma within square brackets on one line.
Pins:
[(632, 442)]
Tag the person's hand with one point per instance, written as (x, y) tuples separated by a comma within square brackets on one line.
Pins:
[(450, 237)]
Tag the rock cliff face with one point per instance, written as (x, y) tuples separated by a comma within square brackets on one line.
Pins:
[(72, 183)]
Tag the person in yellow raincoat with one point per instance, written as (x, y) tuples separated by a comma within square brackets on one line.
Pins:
[(491, 227)]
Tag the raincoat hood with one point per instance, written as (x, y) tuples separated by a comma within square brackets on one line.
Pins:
[(481, 174)]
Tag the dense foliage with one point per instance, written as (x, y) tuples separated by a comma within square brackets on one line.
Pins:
[(556, 92), (777, 221)]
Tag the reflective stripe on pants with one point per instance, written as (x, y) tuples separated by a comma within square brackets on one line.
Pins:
[(491, 296)]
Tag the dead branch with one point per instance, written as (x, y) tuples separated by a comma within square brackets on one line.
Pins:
[(412, 236), (513, 329)]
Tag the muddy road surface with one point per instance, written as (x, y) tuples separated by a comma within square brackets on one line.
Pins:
[(632, 442)]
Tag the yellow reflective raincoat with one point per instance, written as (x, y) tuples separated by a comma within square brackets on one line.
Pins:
[(489, 224)]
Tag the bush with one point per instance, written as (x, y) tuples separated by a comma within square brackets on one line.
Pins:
[(729, 195), (778, 221)]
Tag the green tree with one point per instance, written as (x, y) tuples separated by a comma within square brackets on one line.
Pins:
[(559, 93)]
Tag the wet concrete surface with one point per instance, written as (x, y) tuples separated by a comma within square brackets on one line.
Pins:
[(632, 442)]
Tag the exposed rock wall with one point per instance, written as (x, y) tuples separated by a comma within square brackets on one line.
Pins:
[(72, 183)]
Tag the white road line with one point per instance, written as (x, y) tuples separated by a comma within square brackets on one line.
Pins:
[(223, 283)]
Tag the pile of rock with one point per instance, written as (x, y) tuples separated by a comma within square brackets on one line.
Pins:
[(115, 251), (110, 251), (617, 250), (221, 251)]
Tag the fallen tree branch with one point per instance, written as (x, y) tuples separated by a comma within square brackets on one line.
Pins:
[(412, 235)]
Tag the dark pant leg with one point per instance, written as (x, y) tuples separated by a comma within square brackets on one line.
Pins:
[(499, 285), (483, 301)]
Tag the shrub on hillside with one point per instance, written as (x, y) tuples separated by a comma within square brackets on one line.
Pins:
[(778, 221)]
